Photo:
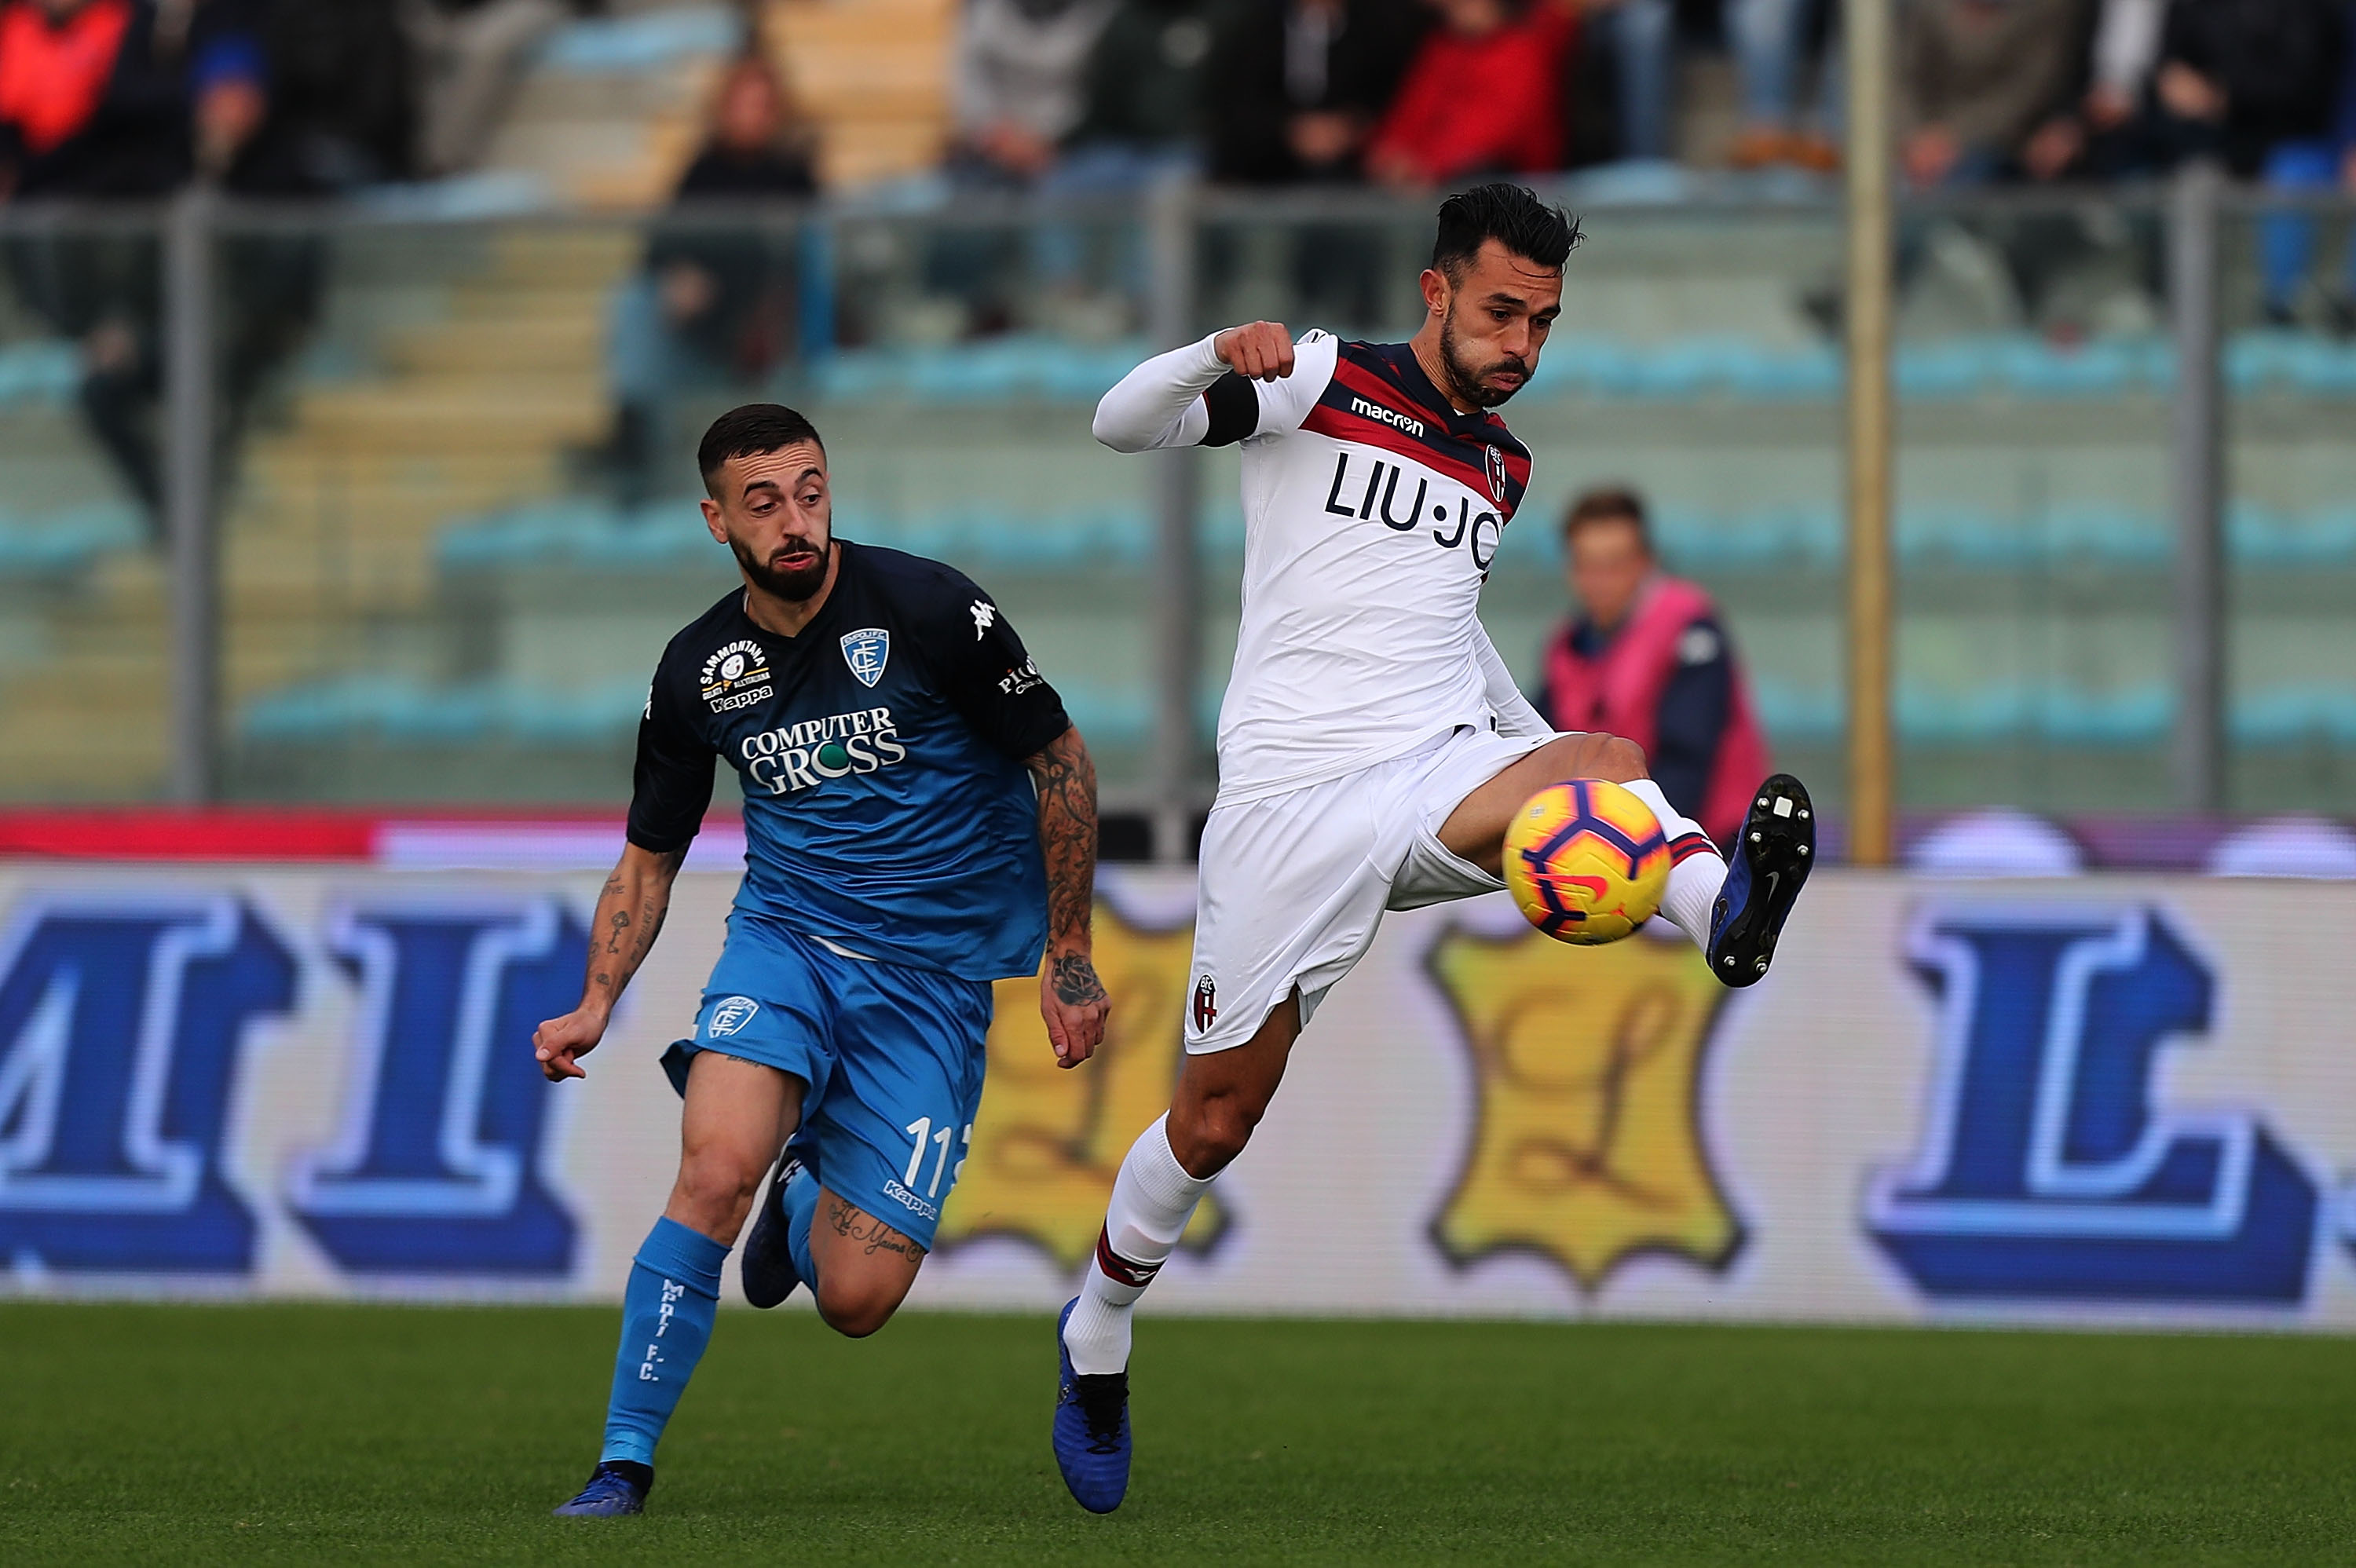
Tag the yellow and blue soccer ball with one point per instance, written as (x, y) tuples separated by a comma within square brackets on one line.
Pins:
[(1586, 861)]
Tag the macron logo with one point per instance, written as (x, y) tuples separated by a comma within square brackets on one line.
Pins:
[(1382, 415)]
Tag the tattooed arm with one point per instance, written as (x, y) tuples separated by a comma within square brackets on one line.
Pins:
[(1071, 997), (629, 915)]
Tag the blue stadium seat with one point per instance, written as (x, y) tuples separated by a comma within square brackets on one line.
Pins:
[(62, 543), (646, 41), (41, 370)]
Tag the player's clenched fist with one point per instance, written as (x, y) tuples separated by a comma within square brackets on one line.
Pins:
[(1260, 350), (558, 1042)]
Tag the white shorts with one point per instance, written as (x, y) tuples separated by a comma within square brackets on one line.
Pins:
[(1293, 886)]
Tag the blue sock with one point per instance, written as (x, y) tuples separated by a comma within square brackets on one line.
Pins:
[(801, 1207), (666, 1312)]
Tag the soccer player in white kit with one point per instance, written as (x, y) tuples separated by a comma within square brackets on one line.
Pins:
[(1372, 744)]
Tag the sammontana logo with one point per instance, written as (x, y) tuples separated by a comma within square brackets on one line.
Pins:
[(735, 677), (804, 755)]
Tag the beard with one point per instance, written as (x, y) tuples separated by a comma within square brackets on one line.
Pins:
[(793, 584), (1469, 377)]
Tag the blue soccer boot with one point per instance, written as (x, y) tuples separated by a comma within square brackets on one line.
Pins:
[(768, 1272), (1091, 1429), (1772, 857), (617, 1487)]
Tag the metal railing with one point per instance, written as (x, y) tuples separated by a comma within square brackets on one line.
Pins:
[(1168, 265)]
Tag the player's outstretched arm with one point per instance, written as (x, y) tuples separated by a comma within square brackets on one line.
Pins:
[(1071, 999), (1159, 403), (629, 915)]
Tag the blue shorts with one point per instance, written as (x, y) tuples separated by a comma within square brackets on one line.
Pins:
[(892, 1056)]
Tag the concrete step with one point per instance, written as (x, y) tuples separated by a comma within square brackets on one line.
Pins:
[(531, 346)]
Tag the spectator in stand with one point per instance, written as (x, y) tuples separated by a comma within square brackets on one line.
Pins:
[(2266, 88), (2126, 48), (2286, 239), (1484, 95), (1640, 37), (470, 54), (2235, 81), (1645, 656), (124, 100), (1768, 37), (1295, 89), (94, 98), (1020, 85), (341, 115), (2239, 79), (712, 305), (1143, 99), (1297, 85), (1975, 78)]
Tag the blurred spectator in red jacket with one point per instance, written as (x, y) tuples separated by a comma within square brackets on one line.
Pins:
[(93, 99), (128, 100), (1483, 95), (1644, 657)]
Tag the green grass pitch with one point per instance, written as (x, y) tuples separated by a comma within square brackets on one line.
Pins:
[(303, 1433)]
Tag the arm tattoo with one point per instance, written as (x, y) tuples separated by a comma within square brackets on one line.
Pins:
[(872, 1235), (627, 940), (1076, 980), (1066, 779)]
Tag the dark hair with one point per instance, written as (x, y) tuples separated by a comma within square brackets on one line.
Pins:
[(744, 432), (1508, 214), (1608, 504)]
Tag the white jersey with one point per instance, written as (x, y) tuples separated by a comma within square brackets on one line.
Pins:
[(1372, 511)]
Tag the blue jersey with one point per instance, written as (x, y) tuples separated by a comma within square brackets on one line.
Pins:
[(886, 806)]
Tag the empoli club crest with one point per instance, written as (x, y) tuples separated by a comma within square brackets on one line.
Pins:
[(1587, 1144)]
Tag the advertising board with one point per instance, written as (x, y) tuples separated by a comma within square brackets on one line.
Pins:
[(2104, 1099)]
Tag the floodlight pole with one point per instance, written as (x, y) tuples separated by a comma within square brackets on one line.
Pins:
[(1866, 28)]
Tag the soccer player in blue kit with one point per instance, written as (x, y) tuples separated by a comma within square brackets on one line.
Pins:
[(919, 821)]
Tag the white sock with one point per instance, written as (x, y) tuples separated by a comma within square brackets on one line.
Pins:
[(1152, 1199), (1696, 871)]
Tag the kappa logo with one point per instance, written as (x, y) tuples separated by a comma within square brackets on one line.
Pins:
[(1206, 1003), (731, 1015), (736, 677), (867, 652), (1497, 466), (1587, 1146), (985, 616), (2050, 1167)]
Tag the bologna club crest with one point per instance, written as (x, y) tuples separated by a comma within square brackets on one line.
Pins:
[(1206, 1003), (1496, 457)]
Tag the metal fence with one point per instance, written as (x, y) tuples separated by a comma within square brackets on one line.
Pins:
[(369, 505)]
